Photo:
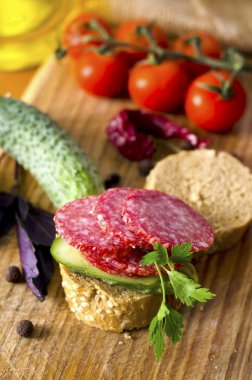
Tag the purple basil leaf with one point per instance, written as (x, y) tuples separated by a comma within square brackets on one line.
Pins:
[(6, 199), (45, 267), (7, 212), (23, 208), (38, 223), (36, 262)]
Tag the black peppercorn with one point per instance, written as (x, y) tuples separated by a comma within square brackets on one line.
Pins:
[(186, 145), (145, 166), (112, 180), (13, 274), (25, 328)]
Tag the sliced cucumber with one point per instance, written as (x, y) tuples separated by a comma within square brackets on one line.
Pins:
[(72, 258), (47, 151)]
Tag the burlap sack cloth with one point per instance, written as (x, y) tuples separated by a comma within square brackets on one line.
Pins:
[(229, 20)]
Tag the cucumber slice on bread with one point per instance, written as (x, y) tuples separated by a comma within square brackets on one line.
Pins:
[(72, 258)]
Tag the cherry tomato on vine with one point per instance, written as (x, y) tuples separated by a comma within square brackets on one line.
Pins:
[(209, 46), (208, 109), (127, 32), (76, 30), (159, 87), (102, 74)]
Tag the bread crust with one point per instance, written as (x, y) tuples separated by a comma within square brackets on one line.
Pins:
[(214, 183), (108, 307)]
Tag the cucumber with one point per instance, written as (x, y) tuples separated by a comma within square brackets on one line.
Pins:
[(69, 256), (72, 258), (37, 143)]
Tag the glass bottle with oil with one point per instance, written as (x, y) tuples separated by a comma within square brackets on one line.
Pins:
[(30, 30)]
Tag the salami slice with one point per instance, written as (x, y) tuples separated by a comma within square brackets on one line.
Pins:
[(165, 219), (108, 211), (123, 265), (76, 222)]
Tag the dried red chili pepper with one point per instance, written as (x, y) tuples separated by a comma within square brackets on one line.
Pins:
[(130, 130)]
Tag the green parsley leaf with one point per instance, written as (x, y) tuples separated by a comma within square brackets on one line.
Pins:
[(186, 290), (156, 337), (162, 311), (149, 258), (160, 256), (174, 325), (173, 322), (169, 321), (181, 253), (153, 329)]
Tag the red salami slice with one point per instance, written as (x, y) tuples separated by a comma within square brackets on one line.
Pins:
[(108, 211), (76, 222), (123, 265), (165, 219)]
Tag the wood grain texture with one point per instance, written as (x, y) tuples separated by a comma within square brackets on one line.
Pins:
[(14, 83), (217, 340)]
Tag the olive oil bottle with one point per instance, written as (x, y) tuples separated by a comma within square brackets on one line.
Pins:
[(30, 30)]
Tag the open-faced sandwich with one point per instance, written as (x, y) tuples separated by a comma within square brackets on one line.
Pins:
[(216, 184), (121, 254)]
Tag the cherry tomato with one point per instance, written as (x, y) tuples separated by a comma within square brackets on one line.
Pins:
[(76, 30), (102, 74), (210, 47), (126, 32), (208, 109), (158, 87)]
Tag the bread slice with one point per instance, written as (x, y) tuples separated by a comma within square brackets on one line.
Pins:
[(109, 307), (214, 183)]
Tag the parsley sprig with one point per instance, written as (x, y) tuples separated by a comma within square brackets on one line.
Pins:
[(168, 321)]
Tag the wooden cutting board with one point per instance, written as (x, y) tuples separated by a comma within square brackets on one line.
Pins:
[(217, 340)]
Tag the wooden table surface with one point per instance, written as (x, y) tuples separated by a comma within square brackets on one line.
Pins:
[(217, 338), (15, 82)]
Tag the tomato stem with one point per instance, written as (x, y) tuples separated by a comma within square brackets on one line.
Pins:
[(214, 63), (226, 88), (145, 30), (233, 61), (153, 56), (94, 24), (195, 41)]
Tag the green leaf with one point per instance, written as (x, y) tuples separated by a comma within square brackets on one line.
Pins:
[(156, 338), (174, 325), (181, 253), (153, 329), (173, 322), (159, 256), (167, 320), (186, 290), (162, 311), (162, 254), (149, 258)]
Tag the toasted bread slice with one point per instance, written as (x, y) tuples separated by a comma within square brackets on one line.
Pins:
[(214, 183), (105, 306), (109, 307)]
